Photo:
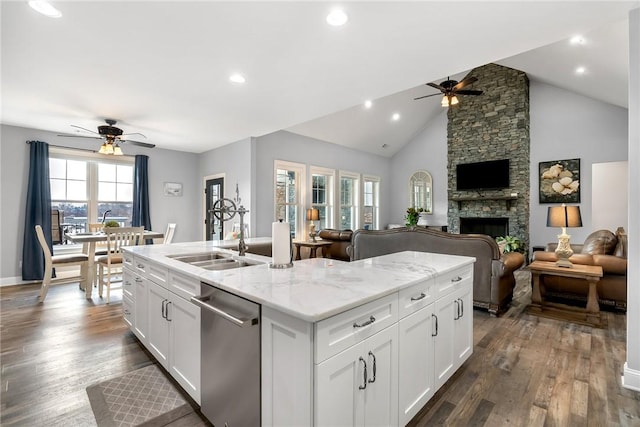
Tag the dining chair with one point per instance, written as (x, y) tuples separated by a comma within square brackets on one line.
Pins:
[(168, 235), (117, 238), (51, 261)]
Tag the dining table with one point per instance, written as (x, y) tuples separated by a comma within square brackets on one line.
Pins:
[(88, 241)]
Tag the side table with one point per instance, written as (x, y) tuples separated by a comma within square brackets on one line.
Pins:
[(313, 247), (589, 315)]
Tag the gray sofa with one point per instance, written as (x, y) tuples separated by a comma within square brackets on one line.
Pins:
[(493, 279)]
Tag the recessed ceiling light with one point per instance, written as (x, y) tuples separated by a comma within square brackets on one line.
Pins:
[(45, 8), (237, 78), (580, 70), (337, 17), (577, 40), (395, 117), (368, 104)]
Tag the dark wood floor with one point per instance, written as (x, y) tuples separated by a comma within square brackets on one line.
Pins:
[(525, 370)]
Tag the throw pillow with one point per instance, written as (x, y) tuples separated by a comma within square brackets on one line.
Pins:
[(601, 242)]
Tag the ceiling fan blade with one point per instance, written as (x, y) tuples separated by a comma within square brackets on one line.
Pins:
[(464, 83), (85, 129), (125, 135), (139, 143), (468, 92), (440, 88), (79, 136), (427, 96)]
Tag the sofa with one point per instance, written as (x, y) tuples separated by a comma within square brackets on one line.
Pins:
[(603, 248), (340, 241), (493, 278)]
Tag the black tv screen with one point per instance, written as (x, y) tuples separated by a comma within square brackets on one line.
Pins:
[(483, 175)]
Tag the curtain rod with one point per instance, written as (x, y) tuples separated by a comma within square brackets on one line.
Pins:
[(68, 148)]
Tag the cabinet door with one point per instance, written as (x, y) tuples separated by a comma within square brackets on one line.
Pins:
[(381, 394), (141, 312), (415, 372), (158, 332), (443, 329), (463, 326), (339, 400), (184, 354)]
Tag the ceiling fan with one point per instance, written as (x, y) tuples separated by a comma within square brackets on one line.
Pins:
[(451, 88), (112, 137)]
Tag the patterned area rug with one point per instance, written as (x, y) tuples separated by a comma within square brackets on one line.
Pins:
[(144, 397)]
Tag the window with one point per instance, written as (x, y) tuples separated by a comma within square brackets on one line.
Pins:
[(289, 185), (322, 195), (85, 186), (371, 202), (348, 209)]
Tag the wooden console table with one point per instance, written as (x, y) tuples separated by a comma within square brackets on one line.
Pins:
[(313, 247), (589, 315)]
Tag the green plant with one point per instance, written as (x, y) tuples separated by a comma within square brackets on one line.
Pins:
[(511, 244), (412, 216), (111, 223)]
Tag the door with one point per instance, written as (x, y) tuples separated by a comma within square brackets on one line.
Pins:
[(463, 326), (443, 328), (415, 374), (214, 191), (141, 314), (381, 394), (184, 357), (158, 332)]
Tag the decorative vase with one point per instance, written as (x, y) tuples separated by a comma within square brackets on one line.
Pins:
[(422, 219)]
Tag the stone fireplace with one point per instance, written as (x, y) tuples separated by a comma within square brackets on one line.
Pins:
[(492, 126), (493, 227)]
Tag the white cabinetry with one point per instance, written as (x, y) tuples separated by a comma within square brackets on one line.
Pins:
[(415, 338), (164, 320)]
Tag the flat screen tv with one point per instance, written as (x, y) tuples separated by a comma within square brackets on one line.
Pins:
[(493, 174)]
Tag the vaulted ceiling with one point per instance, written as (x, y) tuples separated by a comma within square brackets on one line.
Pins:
[(162, 68)]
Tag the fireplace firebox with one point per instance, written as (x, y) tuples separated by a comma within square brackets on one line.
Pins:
[(493, 227)]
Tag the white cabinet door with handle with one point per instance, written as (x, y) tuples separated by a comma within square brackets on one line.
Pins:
[(359, 386), (158, 328)]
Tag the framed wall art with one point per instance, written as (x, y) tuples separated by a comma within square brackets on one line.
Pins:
[(173, 189), (559, 181)]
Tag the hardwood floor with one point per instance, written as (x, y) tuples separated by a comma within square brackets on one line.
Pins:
[(525, 370)]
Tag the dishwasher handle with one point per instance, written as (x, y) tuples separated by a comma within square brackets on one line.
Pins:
[(200, 300)]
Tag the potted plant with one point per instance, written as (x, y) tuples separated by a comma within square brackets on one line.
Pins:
[(111, 223), (510, 244), (412, 216)]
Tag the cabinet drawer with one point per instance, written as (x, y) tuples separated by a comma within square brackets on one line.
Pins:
[(183, 285), (129, 284), (152, 271), (415, 297), (343, 330), (127, 311), (127, 259), (447, 283)]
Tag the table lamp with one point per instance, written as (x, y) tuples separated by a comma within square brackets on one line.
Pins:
[(313, 214), (564, 216)]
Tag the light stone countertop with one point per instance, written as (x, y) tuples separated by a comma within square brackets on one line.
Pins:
[(313, 289)]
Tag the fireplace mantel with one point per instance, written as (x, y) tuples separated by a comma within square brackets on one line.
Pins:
[(460, 199)]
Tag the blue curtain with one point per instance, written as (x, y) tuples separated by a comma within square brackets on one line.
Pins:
[(141, 215), (38, 211)]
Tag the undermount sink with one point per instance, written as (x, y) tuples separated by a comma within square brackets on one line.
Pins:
[(214, 260)]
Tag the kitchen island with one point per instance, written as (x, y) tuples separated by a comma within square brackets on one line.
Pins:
[(367, 342)]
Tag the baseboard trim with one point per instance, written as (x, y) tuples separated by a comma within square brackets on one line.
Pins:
[(17, 280), (631, 378)]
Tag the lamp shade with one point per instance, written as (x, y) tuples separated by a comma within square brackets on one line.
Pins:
[(564, 216), (313, 214)]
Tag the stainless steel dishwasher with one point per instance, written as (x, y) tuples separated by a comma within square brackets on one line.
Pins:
[(230, 358)]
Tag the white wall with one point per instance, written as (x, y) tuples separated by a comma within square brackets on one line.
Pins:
[(164, 166), (427, 151), (610, 196), (565, 125), (234, 161), (292, 147)]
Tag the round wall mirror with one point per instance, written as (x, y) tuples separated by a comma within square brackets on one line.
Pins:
[(420, 191)]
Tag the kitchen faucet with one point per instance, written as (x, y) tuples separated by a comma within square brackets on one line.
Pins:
[(104, 216)]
